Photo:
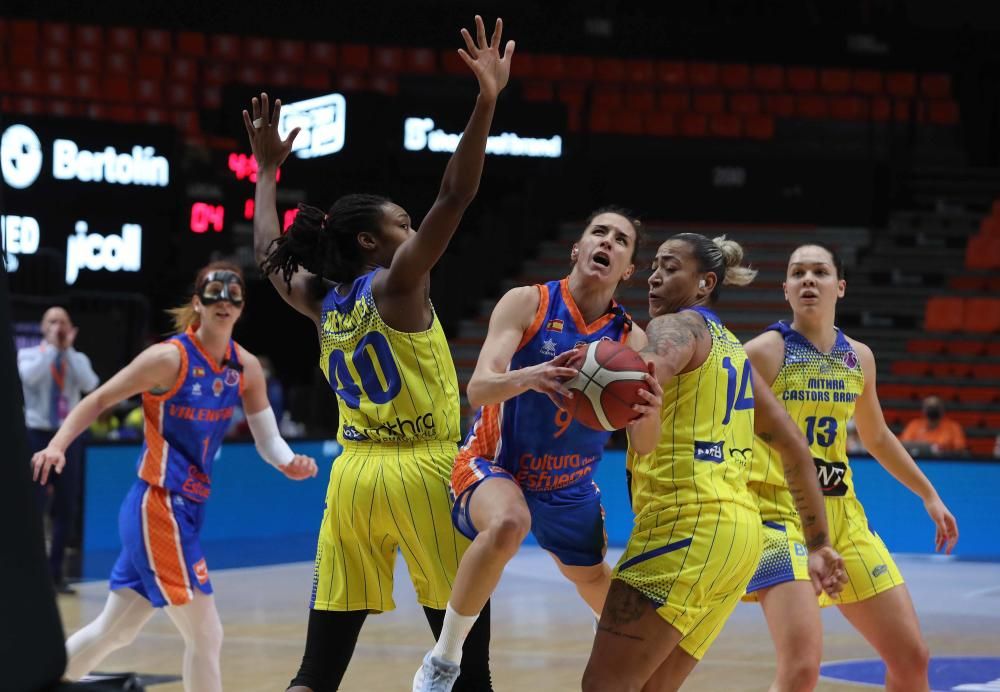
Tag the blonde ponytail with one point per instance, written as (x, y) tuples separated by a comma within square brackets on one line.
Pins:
[(183, 317), (732, 257)]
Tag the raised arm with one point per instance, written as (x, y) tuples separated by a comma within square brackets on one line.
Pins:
[(271, 151), (155, 368), (883, 445), (415, 257), (773, 425), (492, 381)]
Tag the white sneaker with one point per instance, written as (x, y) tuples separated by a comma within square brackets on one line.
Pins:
[(435, 675)]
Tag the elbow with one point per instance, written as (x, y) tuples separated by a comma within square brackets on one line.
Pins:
[(474, 395)]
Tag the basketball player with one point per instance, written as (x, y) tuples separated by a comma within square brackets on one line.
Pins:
[(697, 534), (824, 378), (189, 385), (526, 465), (362, 275)]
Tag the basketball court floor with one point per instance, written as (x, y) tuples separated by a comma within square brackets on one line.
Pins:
[(542, 632)]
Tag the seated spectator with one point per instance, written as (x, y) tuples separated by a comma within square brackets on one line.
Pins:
[(933, 433)]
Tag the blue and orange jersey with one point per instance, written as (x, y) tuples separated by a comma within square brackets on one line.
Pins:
[(184, 426), (529, 436)]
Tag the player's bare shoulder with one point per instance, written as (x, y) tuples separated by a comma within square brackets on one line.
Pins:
[(766, 352)]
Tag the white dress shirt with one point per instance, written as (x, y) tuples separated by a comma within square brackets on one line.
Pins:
[(34, 364)]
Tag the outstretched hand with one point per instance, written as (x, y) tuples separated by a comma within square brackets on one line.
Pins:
[(484, 59), (268, 147)]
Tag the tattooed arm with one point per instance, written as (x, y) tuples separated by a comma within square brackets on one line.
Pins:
[(676, 343)]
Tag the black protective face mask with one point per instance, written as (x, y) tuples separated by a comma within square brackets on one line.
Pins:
[(933, 413), (221, 285)]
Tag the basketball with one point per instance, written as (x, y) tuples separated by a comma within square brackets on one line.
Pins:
[(607, 386)]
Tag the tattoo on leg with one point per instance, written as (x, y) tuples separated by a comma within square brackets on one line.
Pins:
[(625, 605)]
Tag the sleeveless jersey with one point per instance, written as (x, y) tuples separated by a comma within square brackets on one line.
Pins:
[(392, 387), (184, 426), (819, 391), (706, 441), (529, 436)]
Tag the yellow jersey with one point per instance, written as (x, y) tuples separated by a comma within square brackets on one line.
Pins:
[(819, 391), (392, 387), (706, 441)]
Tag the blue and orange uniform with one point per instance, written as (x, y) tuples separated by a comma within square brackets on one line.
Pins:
[(538, 445), (161, 517)]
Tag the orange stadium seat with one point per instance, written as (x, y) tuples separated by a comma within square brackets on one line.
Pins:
[(944, 314), (982, 315), (983, 252)]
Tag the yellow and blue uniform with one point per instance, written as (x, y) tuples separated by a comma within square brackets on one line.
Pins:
[(162, 515), (697, 537), (819, 391), (397, 394), (531, 441)]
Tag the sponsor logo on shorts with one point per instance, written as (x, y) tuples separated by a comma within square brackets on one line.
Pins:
[(831, 475), (880, 570), (201, 571), (709, 451), (800, 549)]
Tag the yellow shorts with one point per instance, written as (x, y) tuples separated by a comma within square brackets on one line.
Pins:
[(694, 565), (382, 499), (784, 558), (870, 568)]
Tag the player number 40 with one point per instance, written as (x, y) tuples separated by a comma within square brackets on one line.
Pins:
[(364, 364)]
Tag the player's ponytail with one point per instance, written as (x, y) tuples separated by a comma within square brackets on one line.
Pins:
[(326, 245), (721, 257)]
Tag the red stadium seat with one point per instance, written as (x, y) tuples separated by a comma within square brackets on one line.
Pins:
[(150, 66), (28, 80), (942, 112), (192, 43), (725, 125), (640, 71), (894, 392), (868, 82), (421, 61), (659, 124), (982, 315), (735, 76), (62, 109), (880, 109), (693, 125), (986, 371), (451, 63), (991, 419), (760, 127), (85, 87), (703, 74), (322, 54), (24, 54), (219, 73), (316, 79), (384, 84), (259, 49), (572, 94), (675, 101), (551, 67), (187, 122), (122, 38), (389, 59), (211, 96), (640, 99), (156, 41), (967, 419), (902, 110), (936, 85), (965, 347), (802, 79), (910, 368), (672, 74), (281, 75), (180, 95), (978, 395), (745, 103), (609, 70), (835, 81), (358, 57), (600, 121), (780, 105), (606, 98), (119, 63), (123, 113), (993, 348), (154, 116), (811, 106), (54, 58), (932, 346), (251, 75), (626, 122), (183, 69), (944, 314), (709, 102), (88, 36), (56, 34), (148, 91), (580, 68), (227, 47), (981, 446), (901, 84), (351, 81), (848, 108), (768, 77), (537, 91), (86, 60)]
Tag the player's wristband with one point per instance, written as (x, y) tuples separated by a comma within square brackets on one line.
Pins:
[(270, 445)]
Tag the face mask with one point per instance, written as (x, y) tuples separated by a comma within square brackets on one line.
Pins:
[(221, 285), (933, 413)]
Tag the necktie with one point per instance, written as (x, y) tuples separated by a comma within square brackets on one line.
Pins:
[(57, 402)]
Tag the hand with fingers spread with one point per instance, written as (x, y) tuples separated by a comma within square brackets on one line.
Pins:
[(49, 459), (549, 378), (826, 570), (484, 59), (946, 528), (268, 147)]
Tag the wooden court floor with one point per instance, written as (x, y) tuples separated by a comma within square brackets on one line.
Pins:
[(541, 630)]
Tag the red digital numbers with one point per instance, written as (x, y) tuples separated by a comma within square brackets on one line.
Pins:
[(245, 167), (207, 216), (290, 215)]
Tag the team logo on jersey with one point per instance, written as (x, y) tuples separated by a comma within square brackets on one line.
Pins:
[(825, 368), (548, 347), (742, 456), (198, 371), (352, 433), (196, 389), (709, 451), (232, 377), (554, 325), (217, 387), (851, 360), (201, 571), (831, 475)]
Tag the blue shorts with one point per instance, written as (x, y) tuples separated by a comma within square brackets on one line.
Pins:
[(568, 522), (161, 556)]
